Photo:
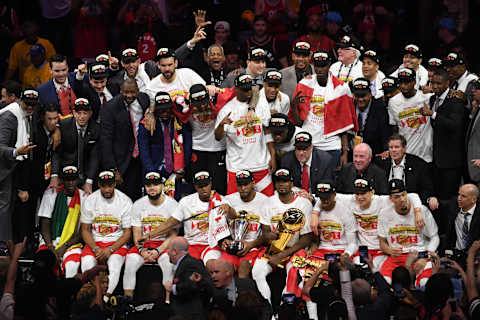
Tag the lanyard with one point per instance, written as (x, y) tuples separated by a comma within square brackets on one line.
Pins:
[(349, 70), (215, 81)]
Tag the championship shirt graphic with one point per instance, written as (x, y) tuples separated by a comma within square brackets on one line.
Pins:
[(105, 225), (203, 116), (152, 222), (367, 222), (404, 235), (200, 222), (248, 130), (411, 118), (330, 230), (318, 106)]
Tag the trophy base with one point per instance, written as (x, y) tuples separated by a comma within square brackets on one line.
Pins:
[(234, 248)]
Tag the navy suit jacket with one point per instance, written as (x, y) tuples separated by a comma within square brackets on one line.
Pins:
[(377, 130), (47, 93)]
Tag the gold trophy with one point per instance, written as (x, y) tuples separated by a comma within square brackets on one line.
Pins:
[(311, 265), (292, 221)]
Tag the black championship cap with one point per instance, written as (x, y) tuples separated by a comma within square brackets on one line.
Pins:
[(164, 53), (412, 49), (30, 96), (370, 54), (154, 177), (69, 172), (198, 94), (163, 100), (321, 58), (103, 59), (348, 41), (325, 189), (453, 59), (273, 77), (406, 74), (82, 104), (98, 71), (303, 139), (389, 84), (202, 178), (256, 54), (129, 55), (434, 63), (360, 86), (244, 176), (244, 81), (396, 186), (282, 175), (278, 122), (106, 176), (302, 47), (361, 185)]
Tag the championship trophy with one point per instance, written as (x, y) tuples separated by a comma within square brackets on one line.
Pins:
[(238, 229), (292, 221)]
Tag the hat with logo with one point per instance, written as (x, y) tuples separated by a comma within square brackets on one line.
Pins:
[(348, 41), (30, 96), (412, 49), (282, 174), (273, 77), (202, 178), (164, 53), (198, 94), (163, 100), (370, 54), (278, 122), (69, 172), (389, 84), (244, 176), (302, 47), (303, 139), (453, 59), (360, 86), (406, 74), (325, 189), (106, 176), (102, 58), (154, 177), (256, 54), (98, 71), (361, 185), (82, 104), (321, 58), (243, 81), (222, 26), (37, 49), (129, 55), (396, 186), (434, 63)]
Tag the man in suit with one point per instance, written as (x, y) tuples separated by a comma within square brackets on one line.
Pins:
[(472, 139), (120, 119), (79, 146), (192, 286), (373, 127), (61, 88), (413, 170), (96, 90), (448, 123), (464, 218), (228, 288), (301, 55), (361, 167), (15, 146), (132, 69), (307, 164)]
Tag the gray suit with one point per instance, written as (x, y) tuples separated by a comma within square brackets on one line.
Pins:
[(289, 80), (8, 138), (472, 142)]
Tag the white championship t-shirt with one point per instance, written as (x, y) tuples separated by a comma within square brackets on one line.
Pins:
[(148, 217), (421, 76), (255, 209), (246, 143), (196, 229), (347, 73), (333, 226), (315, 122), (276, 208), (108, 217), (405, 113), (203, 132), (400, 231), (184, 79)]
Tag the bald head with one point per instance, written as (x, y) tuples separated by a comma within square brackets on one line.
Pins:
[(222, 273), (177, 248), (467, 196), (361, 292), (471, 189), (362, 155)]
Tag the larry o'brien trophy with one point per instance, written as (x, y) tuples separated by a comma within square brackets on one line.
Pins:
[(292, 221), (238, 229)]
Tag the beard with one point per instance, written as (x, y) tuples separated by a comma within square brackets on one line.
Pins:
[(154, 197)]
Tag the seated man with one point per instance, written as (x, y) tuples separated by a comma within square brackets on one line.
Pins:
[(59, 214), (398, 233), (300, 209), (148, 213), (106, 229), (254, 204)]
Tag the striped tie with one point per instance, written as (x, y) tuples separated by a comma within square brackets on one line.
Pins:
[(465, 229)]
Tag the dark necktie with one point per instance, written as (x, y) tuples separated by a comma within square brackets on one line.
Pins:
[(465, 229), (103, 98), (81, 149), (361, 117), (167, 148), (305, 178)]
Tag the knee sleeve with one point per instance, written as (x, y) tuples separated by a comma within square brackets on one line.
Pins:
[(259, 273), (114, 263), (133, 262), (88, 262), (312, 310)]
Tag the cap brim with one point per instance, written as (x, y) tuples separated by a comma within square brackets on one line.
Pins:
[(324, 195), (199, 102), (301, 51), (203, 182), (244, 180), (321, 63), (278, 129), (281, 178), (271, 81), (342, 45), (302, 144), (362, 190), (86, 108), (244, 86), (162, 106), (360, 92), (129, 59)]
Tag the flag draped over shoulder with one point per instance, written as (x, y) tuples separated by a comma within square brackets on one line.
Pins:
[(65, 217), (339, 108), (223, 96), (217, 222)]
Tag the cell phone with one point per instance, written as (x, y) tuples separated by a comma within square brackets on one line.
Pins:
[(453, 305), (331, 257), (423, 254), (444, 264), (288, 298), (398, 288), (363, 252)]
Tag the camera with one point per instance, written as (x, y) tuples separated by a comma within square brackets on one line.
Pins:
[(331, 257)]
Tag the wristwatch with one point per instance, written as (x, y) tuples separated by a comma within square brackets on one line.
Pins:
[(95, 249), (111, 249)]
